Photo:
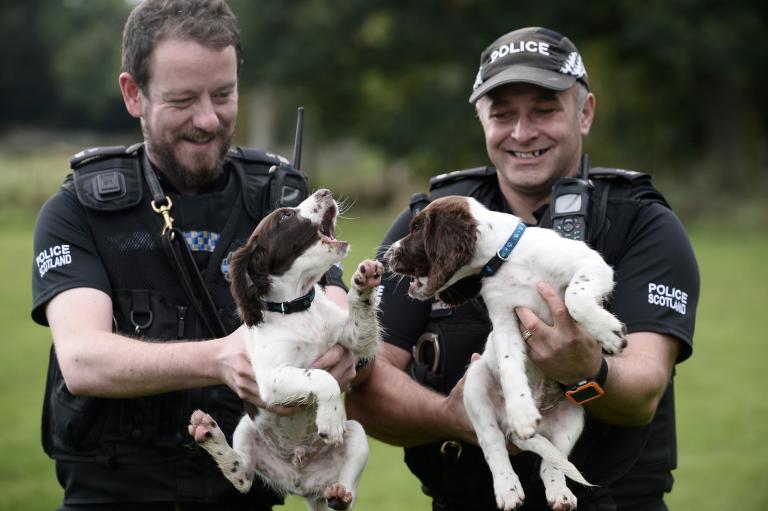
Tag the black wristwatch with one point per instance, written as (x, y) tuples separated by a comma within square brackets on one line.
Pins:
[(588, 389)]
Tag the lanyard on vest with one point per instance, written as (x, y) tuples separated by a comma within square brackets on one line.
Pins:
[(180, 256)]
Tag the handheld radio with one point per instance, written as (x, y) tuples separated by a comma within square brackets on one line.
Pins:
[(570, 203), (288, 184)]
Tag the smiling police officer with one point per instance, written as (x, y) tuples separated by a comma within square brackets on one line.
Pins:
[(131, 267), (533, 101)]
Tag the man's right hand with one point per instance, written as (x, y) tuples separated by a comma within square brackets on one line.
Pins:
[(237, 372)]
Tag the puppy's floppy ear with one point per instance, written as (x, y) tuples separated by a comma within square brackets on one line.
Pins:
[(449, 242), (249, 280)]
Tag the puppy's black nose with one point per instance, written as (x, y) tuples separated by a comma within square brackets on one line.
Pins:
[(323, 192)]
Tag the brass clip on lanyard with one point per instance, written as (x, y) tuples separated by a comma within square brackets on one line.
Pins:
[(181, 257), (165, 211)]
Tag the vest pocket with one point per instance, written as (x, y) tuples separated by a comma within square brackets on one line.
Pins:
[(148, 314), (70, 423)]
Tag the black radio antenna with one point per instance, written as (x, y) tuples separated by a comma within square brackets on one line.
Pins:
[(583, 168), (299, 134)]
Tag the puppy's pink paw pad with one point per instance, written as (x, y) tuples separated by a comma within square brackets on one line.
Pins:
[(202, 427), (337, 496), (368, 274)]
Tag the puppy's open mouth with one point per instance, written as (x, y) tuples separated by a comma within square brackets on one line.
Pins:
[(415, 277), (328, 224), (414, 285), (327, 229)]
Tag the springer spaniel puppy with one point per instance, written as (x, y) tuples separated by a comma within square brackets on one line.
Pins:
[(314, 452), (453, 251)]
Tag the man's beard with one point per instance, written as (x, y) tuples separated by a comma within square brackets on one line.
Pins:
[(185, 177)]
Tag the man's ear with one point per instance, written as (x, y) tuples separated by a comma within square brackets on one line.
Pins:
[(587, 114), (132, 95)]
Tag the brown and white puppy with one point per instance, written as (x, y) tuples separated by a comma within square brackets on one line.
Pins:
[(449, 244), (314, 452)]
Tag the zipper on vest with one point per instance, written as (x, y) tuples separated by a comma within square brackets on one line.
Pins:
[(181, 316)]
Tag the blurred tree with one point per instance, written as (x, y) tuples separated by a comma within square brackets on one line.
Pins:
[(680, 83), (684, 87), (25, 77), (677, 80), (60, 63), (85, 38)]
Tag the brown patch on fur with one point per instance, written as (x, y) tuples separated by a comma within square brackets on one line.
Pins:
[(450, 235), (275, 244), (441, 240)]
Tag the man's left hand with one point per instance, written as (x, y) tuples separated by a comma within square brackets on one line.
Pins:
[(564, 351), (340, 362)]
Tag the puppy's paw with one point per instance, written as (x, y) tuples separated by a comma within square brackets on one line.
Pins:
[(204, 429), (613, 339), (509, 493), (524, 420), (330, 423), (368, 275), (209, 436), (608, 331), (566, 501), (337, 496)]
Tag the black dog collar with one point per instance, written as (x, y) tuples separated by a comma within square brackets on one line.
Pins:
[(301, 303)]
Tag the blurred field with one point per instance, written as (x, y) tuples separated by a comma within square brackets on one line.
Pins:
[(722, 412)]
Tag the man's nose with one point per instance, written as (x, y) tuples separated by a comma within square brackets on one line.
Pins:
[(205, 117), (523, 130)]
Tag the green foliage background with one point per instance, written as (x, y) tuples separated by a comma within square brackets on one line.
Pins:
[(680, 83)]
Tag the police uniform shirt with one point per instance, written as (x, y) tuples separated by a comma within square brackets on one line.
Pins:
[(69, 254), (657, 282), (66, 255), (657, 287)]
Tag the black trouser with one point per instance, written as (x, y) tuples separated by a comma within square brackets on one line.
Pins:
[(607, 505), (162, 506)]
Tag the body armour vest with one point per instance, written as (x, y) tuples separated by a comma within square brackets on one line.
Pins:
[(462, 477), (136, 438)]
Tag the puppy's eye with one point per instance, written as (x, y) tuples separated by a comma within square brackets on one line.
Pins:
[(286, 214)]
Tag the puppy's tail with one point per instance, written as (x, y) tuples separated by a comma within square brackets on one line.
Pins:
[(548, 452)]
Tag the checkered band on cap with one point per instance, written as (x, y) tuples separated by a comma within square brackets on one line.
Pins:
[(534, 55)]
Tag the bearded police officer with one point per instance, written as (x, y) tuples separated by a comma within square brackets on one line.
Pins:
[(533, 101), (131, 267)]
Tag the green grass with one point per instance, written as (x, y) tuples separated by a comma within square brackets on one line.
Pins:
[(722, 410)]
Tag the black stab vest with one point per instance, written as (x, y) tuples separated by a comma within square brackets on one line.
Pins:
[(139, 439), (465, 480)]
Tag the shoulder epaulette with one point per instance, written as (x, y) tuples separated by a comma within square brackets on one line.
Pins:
[(99, 153), (457, 175), (635, 185), (257, 155), (107, 178), (609, 173)]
